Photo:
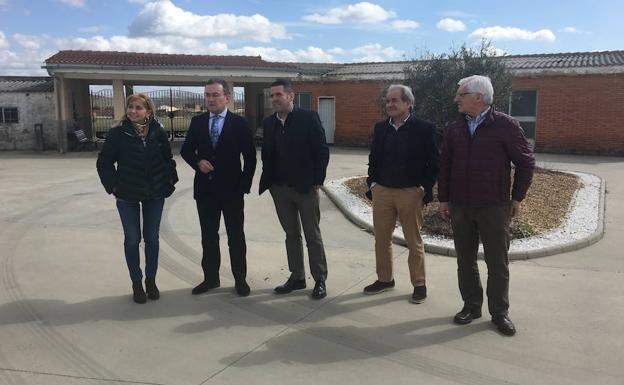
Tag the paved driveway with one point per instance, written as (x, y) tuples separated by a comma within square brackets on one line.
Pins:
[(66, 315)]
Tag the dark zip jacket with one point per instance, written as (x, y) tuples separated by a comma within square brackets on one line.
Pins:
[(135, 169)]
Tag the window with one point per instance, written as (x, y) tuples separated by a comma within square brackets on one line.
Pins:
[(8, 115), (303, 100), (523, 106)]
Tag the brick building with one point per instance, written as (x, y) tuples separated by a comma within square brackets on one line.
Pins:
[(567, 102)]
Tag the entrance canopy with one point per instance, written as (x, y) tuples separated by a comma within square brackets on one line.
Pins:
[(75, 71)]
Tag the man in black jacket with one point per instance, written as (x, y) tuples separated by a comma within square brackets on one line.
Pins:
[(213, 147), (402, 169), (294, 162)]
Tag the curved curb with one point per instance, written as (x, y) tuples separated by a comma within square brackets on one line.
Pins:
[(513, 255)]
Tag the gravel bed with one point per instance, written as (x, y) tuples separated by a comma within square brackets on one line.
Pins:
[(581, 224)]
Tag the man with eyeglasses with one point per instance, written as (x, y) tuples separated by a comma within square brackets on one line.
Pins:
[(476, 194), (215, 142)]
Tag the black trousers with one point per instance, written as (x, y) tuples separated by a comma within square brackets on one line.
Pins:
[(209, 211), (491, 225)]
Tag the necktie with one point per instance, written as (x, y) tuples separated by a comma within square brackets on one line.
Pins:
[(214, 130)]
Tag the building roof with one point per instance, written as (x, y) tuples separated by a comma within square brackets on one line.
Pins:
[(540, 64), (26, 84), (557, 63), (565, 60), (369, 70), (136, 59)]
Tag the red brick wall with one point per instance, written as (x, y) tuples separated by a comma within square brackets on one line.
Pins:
[(581, 114), (357, 107)]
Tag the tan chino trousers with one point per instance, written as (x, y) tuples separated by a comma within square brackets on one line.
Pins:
[(406, 204)]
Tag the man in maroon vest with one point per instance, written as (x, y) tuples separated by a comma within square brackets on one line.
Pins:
[(476, 195)]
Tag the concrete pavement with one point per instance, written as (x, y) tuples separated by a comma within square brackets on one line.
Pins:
[(66, 315)]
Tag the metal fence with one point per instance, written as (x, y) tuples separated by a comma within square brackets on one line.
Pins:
[(102, 115), (174, 109)]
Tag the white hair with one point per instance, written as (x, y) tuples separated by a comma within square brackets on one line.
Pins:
[(481, 85), (406, 92)]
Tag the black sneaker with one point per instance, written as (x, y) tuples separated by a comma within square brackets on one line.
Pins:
[(379, 287), (419, 295)]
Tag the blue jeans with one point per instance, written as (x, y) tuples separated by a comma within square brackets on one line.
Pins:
[(130, 214)]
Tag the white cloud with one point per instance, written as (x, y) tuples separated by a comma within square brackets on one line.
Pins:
[(34, 50), (163, 18), (28, 41), (570, 29), (451, 25), (510, 33), (26, 62), (357, 13), (92, 29), (405, 24), (74, 3), (375, 53), (4, 43)]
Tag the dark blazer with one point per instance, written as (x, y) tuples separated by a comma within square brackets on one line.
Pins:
[(228, 177), (476, 171), (421, 149), (136, 170), (308, 154)]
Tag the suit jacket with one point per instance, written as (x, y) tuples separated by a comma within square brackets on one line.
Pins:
[(307, 151), (422, 153), (228, 177)]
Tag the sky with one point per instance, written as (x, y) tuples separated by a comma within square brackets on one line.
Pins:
[(303, 31)]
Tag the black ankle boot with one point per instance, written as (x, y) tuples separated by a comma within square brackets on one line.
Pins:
[(139, 293), (152, 290)]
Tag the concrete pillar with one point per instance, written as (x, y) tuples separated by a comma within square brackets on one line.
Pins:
[(119, 99), (63, 113)]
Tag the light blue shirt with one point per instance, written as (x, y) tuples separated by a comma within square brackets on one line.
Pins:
[(220, 121), (473, 123)]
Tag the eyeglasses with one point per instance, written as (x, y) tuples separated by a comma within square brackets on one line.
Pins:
[(461, 94)]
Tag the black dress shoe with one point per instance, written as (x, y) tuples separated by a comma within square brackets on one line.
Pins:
[(466, 315), (504, 324), (290, 285), (242, 288), (320, 290), (205, 286)]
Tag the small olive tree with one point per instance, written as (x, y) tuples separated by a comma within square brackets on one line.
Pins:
[(434, 78)]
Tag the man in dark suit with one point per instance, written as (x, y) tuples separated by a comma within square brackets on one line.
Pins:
[(294, 162), (402, 169), (213, 147)]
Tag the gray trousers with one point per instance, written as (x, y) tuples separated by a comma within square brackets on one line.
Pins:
[(295, 210), (491, 225)]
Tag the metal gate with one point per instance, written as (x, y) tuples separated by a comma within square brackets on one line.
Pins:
[(102, 114), (176, 108)]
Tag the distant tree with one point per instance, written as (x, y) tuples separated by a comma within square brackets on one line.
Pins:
[(434, 78)]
